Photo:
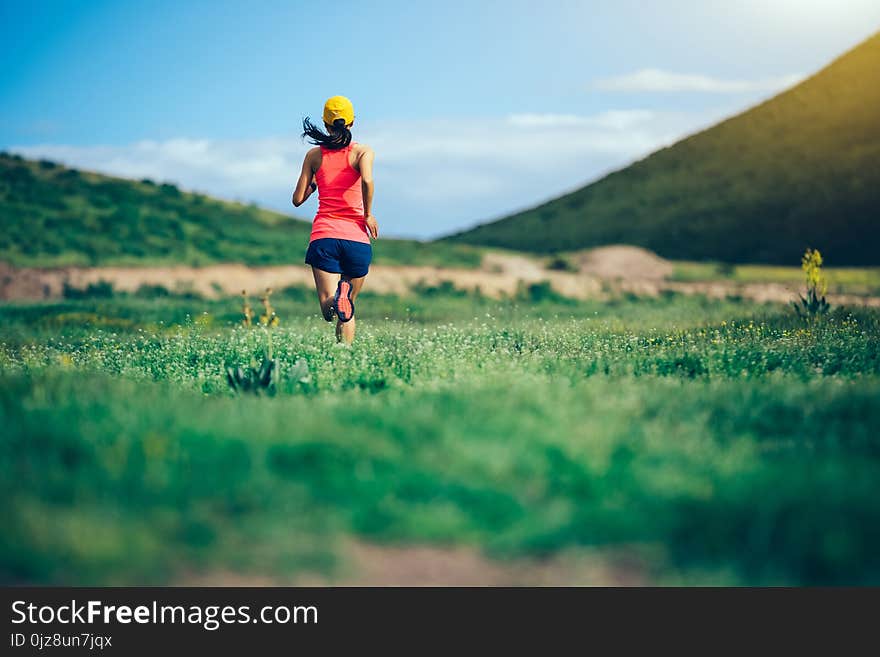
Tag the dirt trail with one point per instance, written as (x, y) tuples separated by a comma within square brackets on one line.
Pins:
[(601, 272), (495, 279), (368, 564)]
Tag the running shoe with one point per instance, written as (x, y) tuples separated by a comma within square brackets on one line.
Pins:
[(342, 301)]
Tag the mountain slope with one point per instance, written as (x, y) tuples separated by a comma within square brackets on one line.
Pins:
[(51, 215), (802, 169)]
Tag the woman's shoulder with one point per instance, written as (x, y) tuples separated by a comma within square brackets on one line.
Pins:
[(359, 153), (313, 157)]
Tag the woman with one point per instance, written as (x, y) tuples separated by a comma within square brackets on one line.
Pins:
[(339, 247)]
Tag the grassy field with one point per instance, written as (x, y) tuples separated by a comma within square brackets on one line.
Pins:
[(724, 442), (841, 280)]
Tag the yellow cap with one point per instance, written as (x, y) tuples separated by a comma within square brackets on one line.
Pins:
[(338, 107)]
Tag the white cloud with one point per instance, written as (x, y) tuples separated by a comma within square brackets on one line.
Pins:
[(619, 119), (230, 169), (433, 176), (653, 79)]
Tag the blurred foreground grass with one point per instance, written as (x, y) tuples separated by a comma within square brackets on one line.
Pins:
[(712, 436)]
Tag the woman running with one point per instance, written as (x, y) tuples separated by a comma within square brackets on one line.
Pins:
[(339, 247)]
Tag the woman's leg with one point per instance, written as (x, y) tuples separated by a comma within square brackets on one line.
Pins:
[(325, 284), (345, 331)]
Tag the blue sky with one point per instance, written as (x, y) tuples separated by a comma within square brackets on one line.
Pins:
[(475, 109)]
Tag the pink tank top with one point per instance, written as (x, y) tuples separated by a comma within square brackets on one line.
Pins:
[(340, 199)]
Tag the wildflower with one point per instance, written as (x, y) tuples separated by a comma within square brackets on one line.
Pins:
[(268, 318), (814, 304), (811, 263), (246, 310)]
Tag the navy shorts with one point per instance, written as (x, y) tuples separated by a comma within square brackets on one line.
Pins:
[(340, 256)]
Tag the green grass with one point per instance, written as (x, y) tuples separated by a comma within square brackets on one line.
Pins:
[(51, 215), (841, 280), (797, 171), (711, 437)]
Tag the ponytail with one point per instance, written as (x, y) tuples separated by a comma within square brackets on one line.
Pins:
[(337, 136)]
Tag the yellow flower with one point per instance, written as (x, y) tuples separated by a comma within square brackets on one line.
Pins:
[(811, 263)]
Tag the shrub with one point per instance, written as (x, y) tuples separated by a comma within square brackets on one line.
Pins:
[(539, 292), (152, 291), (442, 289), (100, 290), (560, 263)]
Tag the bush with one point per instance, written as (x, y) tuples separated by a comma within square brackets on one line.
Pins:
[(560, 263), (152, 292), (100, 290), (540, 292), (442, 289)]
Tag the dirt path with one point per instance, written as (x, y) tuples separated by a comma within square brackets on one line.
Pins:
[(601, 272), (492, 279), (369, 564)]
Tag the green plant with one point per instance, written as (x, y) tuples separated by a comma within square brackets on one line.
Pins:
[(246, 309), (269, 318), (255, 380), (561, 263), (442, 289), (814, 304), (539, 292), (100, 290), (263, 378), (146, 291)]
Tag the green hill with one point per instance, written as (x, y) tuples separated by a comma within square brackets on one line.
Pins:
[(51, 215), (802, 169)]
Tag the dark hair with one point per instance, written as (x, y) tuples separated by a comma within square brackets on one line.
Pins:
[(339, 135)]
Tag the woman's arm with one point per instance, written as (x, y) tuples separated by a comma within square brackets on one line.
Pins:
[(306, 183), (365, 166)]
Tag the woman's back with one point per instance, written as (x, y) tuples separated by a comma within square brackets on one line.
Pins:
[(339, 249), (340, 198)]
